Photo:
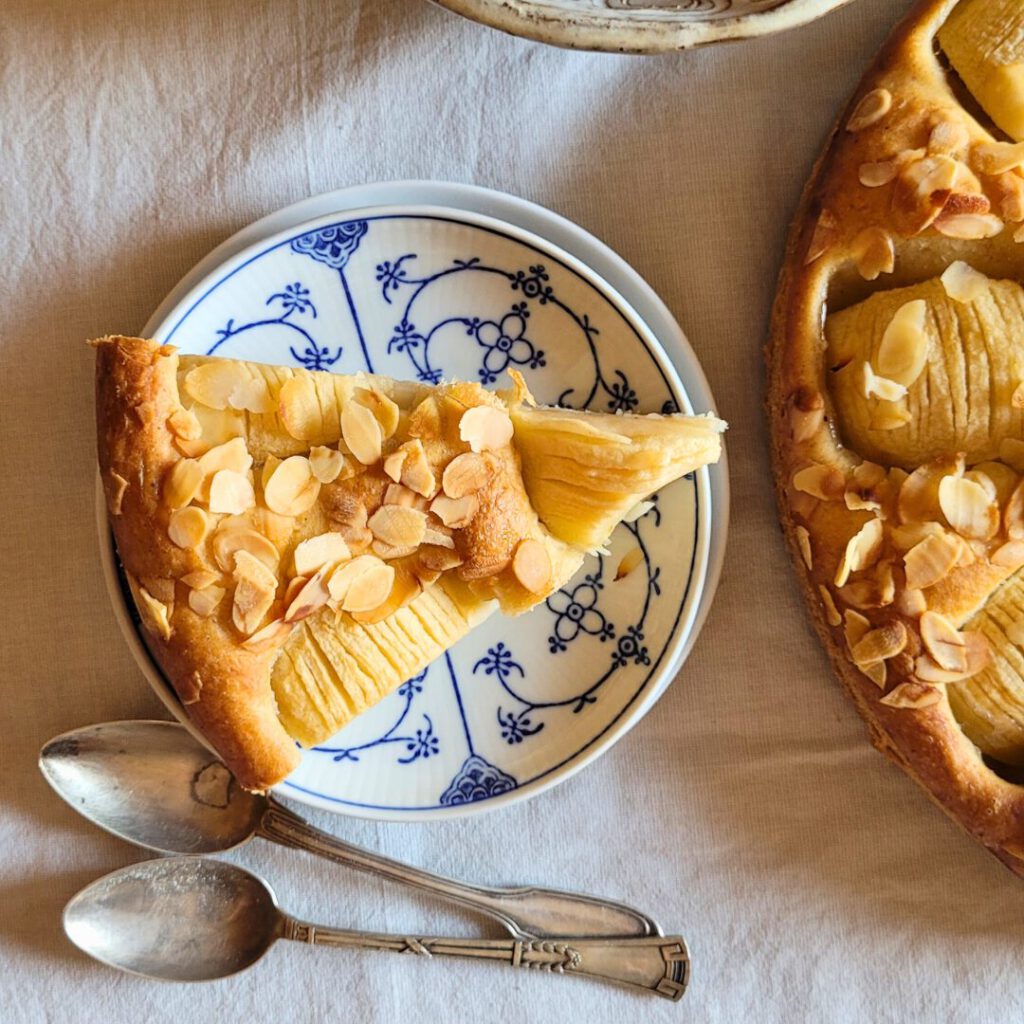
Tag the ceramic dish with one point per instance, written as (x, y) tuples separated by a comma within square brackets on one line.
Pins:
[(428, 292), (640, 26)]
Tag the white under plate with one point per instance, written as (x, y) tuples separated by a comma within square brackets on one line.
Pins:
[(422, 289)]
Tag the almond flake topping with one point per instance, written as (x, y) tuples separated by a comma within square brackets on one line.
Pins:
[(213, 383), (911, 603), (255, 589), (416, 472), (231, 455), (974, 658), (182, 483), (968, 507), (943, 641), (1009, 555), (231, 493), (948, 137), (855, 626), (185, 424), (903, 351), (310, 597), (361, 433), (326, 463), (931, 560), (230, 539), (362, 584), (832, 616), (872, 107), (465, 474), (205, 601), (155, 614), (880, 644), (629, 561), (823, 482), (862, 551), (485, 428), (963, 283), (806, 414), (998, 157), (269, 636), (252, 395), (316, 552), (398, 526), (912, 695), (875, 175), (873, 253), (393, 464), (969, 225), (292, 489), (803, 540), (187, 527), (455, 512), (384, 410), (531, 566), (881, 387)]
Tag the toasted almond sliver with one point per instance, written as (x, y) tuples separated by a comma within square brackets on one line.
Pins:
[(963, 283), (948, 137), (531, 566), (203, 602), (1009, 555), (311, 597), (824, 482), (931, 560), (465, 474), (361, 433), (998, 157), (912, 695), (881, 387), (968, 507), (969, 225), (254, 570), (230, 539), (370, 589), (316, 552), (213, 383), (976, 656), (200, 579), (629, 561), (872, 107), (862, 550), (806, 413), (438, 559), (326, 463), (803, 540), (455, 512), (437, 537), (874, 175), (485, 428), (345, 575), (187, 527), (182, 483), (398, 526), (231, 455), (393, 464), (185, 425), (903, 351), (417, 473), (231, 493), (855, 626), (155, 615), (384, 410), (268, 469), (873, 253), (943, 641), (832, 616), (292, 489), (252, 395), (269, 636), (911, 603), (880, 644), (890, 416)]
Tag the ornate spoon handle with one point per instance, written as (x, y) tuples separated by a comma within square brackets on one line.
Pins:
[(525, 912), (660, 965)]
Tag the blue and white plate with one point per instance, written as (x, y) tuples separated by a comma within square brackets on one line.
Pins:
[(430, 292)]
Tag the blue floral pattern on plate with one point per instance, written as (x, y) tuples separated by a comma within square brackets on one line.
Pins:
[(434, 297)]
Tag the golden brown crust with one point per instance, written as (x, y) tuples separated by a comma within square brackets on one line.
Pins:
[(224, 688), (821, 263)]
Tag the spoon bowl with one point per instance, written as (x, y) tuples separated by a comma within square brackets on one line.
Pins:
[(150, 783), (183, 919)]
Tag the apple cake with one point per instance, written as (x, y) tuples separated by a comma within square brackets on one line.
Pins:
[(896, 403), (299, 543)]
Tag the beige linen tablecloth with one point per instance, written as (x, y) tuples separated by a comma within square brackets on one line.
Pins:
[(813, 882)]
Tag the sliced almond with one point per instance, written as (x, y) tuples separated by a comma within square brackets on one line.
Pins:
[(465, 474), (292, 489), (824, 482), (228, 540), (1009, 555), (187, 527), (316, 552), (393, 464), (803, 541), (912, 696), (361, 433), (216, 426), (437, 536), (969, 225), (531, 566), (231, 455), (911, 603), (943, 641), (919, 494), (326, 463), (155, 615), (370, 589), (267, 470), (161, 587), (437, 558), (384, 410), (881, 387), (975, 658), (855, 626), (231, 493), (890, 416), (255, 590), (184, 424), (205, 601), (963, 283), (399, 494), (903, 351), (629, 561), (880, 644), (392, 552), (455, 512), (873, 106), (405, 587), (806, 414), (968, 507), (877, 174), (485, 428), (417, 473), (997, 157), (214, 382), (252, 395), (182, 483), (271, 635), (398, 526), (832, 616), (931, 560), (862, 550), (344, 575), (311, 597), (873, 253), (948, 137)]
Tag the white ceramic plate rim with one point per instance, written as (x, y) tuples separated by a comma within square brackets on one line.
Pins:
[(641, 32), (256, 238)]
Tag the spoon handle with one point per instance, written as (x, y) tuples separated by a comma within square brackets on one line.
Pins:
[(659, 964), (525, 912)]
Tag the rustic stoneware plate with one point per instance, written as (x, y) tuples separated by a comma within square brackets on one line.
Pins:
[(640, 26), (425, 292)]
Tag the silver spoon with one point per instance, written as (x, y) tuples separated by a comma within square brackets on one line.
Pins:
[(151, 783), (193, 919)]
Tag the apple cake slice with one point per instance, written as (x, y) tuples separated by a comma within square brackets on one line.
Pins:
[(300, 543)]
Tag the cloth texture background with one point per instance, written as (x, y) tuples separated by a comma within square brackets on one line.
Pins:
[(748, 811)]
